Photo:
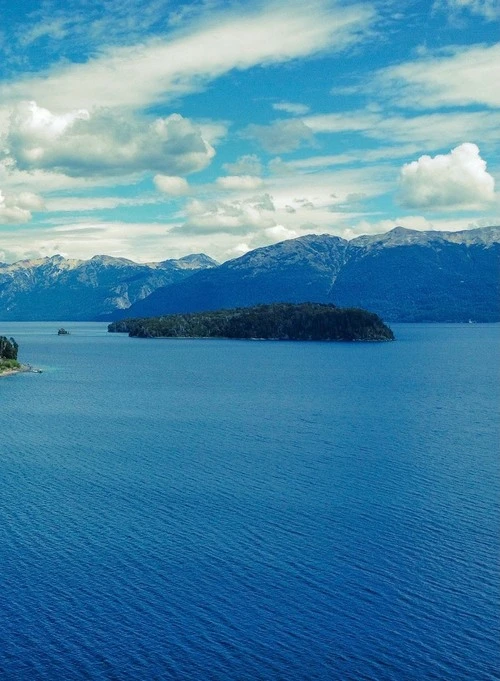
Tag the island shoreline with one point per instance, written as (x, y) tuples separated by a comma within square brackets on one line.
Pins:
[(274, 340), (274, 321), (22, 369)]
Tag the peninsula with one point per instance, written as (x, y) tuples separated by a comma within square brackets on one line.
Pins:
[(277, 321)]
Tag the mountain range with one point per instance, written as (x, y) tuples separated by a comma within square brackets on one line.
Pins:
[(403, 275), (57, 288)]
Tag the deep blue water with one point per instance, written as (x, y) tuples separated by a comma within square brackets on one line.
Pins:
[(237, 510)]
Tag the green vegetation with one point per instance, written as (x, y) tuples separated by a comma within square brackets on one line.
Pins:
[(8, 354), (278, 321)]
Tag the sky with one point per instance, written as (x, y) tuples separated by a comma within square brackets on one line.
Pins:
[(150, 129)]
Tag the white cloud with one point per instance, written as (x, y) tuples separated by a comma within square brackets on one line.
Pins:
[(73, 204), (440, 129), (456, 76), (325, 190), (55, 29), (280, 233), (281, 136), (233, 217), (28, 201), (352, 121), (248, 164), (10, 213), (141, 242), (430, 129), (313, 164), (212, 132), (239, 182), (291, 108), (171, 184), (102, 142), (185, 61), (43, 181), (147, 242), (137, 241), (457, 180)]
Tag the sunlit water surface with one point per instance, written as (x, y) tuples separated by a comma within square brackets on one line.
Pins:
[(238, 510)]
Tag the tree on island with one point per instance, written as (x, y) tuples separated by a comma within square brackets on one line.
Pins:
[(8, 348), (8, 354), (279, 321)]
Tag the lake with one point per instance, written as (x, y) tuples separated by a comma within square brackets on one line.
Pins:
[(250, 510)]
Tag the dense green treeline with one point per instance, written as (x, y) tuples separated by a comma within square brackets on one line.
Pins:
[(8, 348), (8, 354), (281, 321)]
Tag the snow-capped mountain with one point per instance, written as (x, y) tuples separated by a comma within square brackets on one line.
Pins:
[(57, 288), (403, 275)]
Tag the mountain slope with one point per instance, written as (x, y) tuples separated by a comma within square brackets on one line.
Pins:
[(298, 270), (59, 289), (435, 282), (404, 275)]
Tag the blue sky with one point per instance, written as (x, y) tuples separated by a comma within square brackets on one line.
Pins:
[(150, 129)]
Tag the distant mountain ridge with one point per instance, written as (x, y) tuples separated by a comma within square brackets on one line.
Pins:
[(402, 275), (57, 288)]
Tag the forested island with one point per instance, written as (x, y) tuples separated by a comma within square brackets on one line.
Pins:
[(8, 355), (277, 321)]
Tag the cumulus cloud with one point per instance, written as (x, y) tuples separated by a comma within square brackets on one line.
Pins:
[(233, 217), (281, 136), (280, 233), (83, 143), (171, 184), (455, 180), (239, 182), (28, 201), (12, 213), (248, 164)]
